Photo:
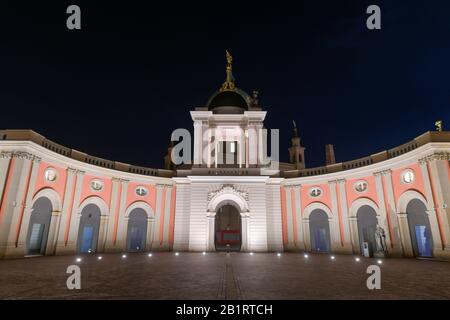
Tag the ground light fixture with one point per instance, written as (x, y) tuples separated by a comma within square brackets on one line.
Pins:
[(124, 256), (379, 262), (306, 256), (357, 259), (251, 253), (99, 257), (177, 253), (150, 255), (78, 260), (333, 258), (203, 253)]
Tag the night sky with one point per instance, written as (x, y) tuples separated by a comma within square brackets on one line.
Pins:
[(117, 88)]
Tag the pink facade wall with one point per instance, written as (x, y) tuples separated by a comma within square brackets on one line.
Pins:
[(87, 192), (307, 199), (353, 195), (400, 187), (150, 198), (58, 185)]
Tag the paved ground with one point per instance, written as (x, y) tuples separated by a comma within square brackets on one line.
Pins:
[(222, 276)]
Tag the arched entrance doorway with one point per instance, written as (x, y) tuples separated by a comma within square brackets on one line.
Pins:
[(367, 226), (89, 229), (419, 228), (320, 231), (137, 230), (228, 229), (39, 226)]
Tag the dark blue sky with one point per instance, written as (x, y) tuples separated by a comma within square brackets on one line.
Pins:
[(117, 88)]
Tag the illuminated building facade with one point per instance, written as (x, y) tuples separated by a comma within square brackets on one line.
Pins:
[(56, 200)]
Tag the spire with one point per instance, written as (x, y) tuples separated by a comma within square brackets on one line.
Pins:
[(296, 151), (229, 84)]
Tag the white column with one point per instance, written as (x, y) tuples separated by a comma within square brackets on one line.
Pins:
[(150, 231), (335, 222), (166, 213), (210, 227), (210, 137), (390, 198), (14, 205), (354, 235), (405, 235), (306, 234), (298, 214), (28, 205), (122, 225), (342, 194), (246, 241), (197, 142), (383, 220), (432, 214), (253, 145), (439, 171), (66, 209), (290, 235), (53, 233), (261, 151), (5, 160), (114, 205), (102, 233), (156, 235), (71, 243)]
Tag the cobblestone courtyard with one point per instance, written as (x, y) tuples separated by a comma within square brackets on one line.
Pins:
[(222, 276)]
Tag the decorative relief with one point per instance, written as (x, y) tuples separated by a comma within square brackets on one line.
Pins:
[(361, 186), (71, 170), (315, 192), (5, 155), (141, 191), (37, 159), (23, 155), (408, 176), (295, 185), (227, 189), (19, 154), (341, 180), (383, 173), (96, 185), (50, 174), (435, 157)]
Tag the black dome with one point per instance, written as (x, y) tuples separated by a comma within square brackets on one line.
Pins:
[(227, 99)]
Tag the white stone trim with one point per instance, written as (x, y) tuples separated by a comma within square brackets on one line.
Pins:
[(142, 205)]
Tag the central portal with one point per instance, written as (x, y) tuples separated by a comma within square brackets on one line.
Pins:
[(228, 229)]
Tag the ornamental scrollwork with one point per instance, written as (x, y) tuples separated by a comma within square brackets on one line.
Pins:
[(435, 157), (228, 189)]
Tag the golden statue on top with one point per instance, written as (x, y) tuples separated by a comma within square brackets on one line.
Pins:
[(229, 84), (229, 60), (438, 125)]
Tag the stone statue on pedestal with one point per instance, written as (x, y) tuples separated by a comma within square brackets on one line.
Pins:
[(380, 237)]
